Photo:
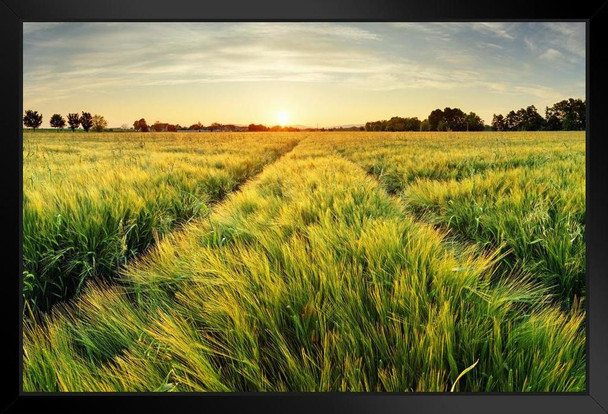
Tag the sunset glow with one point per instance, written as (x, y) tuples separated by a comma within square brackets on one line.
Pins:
[(328, 73), (283, 118)]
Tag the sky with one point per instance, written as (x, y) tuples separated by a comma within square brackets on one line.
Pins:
[(311, 74)]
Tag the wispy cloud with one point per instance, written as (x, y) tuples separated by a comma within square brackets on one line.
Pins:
[(501, 30), (552, 55), (529, 44)]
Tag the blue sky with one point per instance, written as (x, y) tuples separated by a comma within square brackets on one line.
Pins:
[(318, 73)]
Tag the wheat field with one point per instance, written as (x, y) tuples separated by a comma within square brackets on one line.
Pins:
[(92, 203), (321, 261)]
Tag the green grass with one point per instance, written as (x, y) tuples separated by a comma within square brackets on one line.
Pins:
[(93, 202), (538, 223), (521, 194), (313, 277)]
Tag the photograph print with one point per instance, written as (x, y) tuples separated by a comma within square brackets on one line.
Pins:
[(236, 207)]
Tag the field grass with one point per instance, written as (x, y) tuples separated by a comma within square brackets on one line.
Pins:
[(340, 267), (522, 194), (93, 202)]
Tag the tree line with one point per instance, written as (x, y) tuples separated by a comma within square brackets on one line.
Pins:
[(32, 119), (448, 119), (142, 126), (566, 115)]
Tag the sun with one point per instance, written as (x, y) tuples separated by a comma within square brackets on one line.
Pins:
[(283, 117)]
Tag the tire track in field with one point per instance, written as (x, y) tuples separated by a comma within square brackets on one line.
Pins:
[(450, 241), (211, 206), (119, 283), (288, 148), (237, 188), (114, 277)]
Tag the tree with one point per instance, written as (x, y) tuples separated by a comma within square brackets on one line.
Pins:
[(566, 115), (579, 110), (552, 121), (395, 124), (159, 126), (376, 126), (141, 125), (86, 120), (450, 119), (57, 121), (257, 127), (412, 124), (530, 119), (498, 122), (512, 121), (474, 122), (196, 127), (425, 125), (99, 123), (32, 119), (525, 119), (455, 119), (434, 118), (73, 121)]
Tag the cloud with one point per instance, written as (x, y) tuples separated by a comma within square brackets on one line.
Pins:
[(102, 57), (529, 44), (500, 30), (325, 30), (31, 28), (552, 54), (531, 92), (567, 37), (458, 59), (63, 60), (489, 45)]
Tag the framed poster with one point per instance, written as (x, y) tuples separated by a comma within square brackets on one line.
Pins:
[(307, 207)]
